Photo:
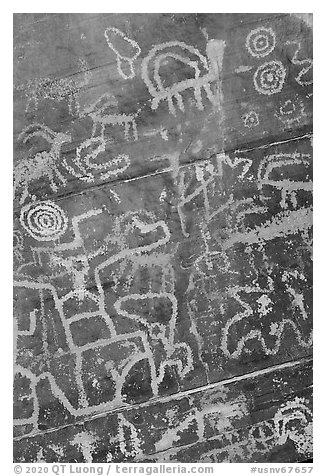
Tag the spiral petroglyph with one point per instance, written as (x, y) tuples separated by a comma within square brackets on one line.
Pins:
[(44, 221)]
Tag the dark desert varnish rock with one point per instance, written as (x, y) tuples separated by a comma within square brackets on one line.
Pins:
[(163, 238)]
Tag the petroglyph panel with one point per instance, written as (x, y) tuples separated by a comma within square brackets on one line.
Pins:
[(162, 237), (262, 418)]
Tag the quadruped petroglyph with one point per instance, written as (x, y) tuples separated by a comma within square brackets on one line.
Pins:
[(163, 239)]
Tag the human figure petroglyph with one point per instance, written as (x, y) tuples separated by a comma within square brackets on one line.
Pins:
[(62, 89), (307, 64), (126, 50), (277, 165), (43, 164), (142, 345), (206, 70)]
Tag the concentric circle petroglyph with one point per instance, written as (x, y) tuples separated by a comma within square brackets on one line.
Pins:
[(260, 42), (44, 221), (269, 78)]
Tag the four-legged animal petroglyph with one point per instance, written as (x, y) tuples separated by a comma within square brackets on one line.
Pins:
[(272, 170), (206, 72), (62, 89), (43, 164)]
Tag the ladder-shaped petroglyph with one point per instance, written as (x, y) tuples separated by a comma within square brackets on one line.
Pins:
[(206, 72), (126, 50), (43, 164)]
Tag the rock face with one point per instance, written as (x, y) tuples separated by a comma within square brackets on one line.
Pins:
[(163, 230)]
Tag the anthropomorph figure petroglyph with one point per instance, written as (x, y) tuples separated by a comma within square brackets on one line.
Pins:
[(206, 71)]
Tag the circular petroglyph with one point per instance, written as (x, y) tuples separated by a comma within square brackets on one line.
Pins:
[(260, 42), (251, 119), (44, 221), (269, 78)]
